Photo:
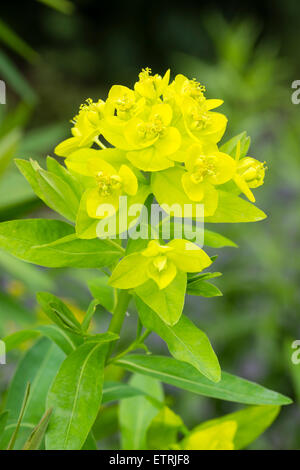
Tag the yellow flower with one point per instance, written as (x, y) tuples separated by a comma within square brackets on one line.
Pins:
[(250, 173), (87, 127), (160, 263), (106, 183), (206, 168), (153, 140), (200, 122), (151, 86)]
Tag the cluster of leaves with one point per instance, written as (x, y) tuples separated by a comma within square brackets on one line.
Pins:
[(165, 138)]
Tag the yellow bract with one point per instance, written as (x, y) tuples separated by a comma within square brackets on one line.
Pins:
[(107, 184), (160, 263)]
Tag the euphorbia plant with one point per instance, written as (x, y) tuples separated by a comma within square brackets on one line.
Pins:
[(159, 140)]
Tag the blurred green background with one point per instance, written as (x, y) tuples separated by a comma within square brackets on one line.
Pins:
[(54, 54)]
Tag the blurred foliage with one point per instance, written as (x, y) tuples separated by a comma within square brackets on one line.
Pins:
[(61, 56)]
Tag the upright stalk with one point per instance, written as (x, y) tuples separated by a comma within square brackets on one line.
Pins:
[(118, 316)]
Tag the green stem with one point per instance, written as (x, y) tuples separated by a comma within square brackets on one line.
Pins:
[(118, 316), (137, 344)]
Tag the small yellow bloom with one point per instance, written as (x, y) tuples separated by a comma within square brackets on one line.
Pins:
[(151, 86), (153, 140), (106, 184), (87, 126), (201, 124), (250, 173), (206, 168)]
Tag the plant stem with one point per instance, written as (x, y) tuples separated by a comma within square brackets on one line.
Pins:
[(118, 316), (137, 344)]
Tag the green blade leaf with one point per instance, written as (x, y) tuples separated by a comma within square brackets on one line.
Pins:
[(185, 341), (38, 366), (8, 147), (202, 288), (232, 209), (136, 414), (58, 311), (32, 240), (75, 397), (51, 188), (215, 240), (230, 387), (14, 436), (19, 337), (114, 391), (16, 43), (35, 439), (65, 340)]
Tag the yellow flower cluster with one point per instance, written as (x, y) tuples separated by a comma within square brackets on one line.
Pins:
[(157, 127)]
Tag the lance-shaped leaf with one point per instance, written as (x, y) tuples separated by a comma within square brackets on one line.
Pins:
[(35, 439), (179, 374), (75, 397), (51, 188), (58, 311), (202, 288), (185, 341), (38, 366), (234, 209), (53, 243), (113, 391), (15, 433)]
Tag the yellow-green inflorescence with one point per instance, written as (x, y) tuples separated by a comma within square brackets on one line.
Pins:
[(160, 137)]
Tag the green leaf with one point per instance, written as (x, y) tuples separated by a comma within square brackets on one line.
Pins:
[(136, 414), (34, 278), (215, 240), (102, 337), (164, 429), (90, 443), (75, 397), (38, 366), (36, 437), (51, 188), (10, 74), (8, 147), (33, 240), (230, 146), (104, 293), (232, 209), (168, 302), (3, 420), (12, 40), (15, 433), (230, 387), (202, 288), (89, 315), (251, 423), (114, 391), (65, 340), (58, 311), (185, 341), (19, 337)]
